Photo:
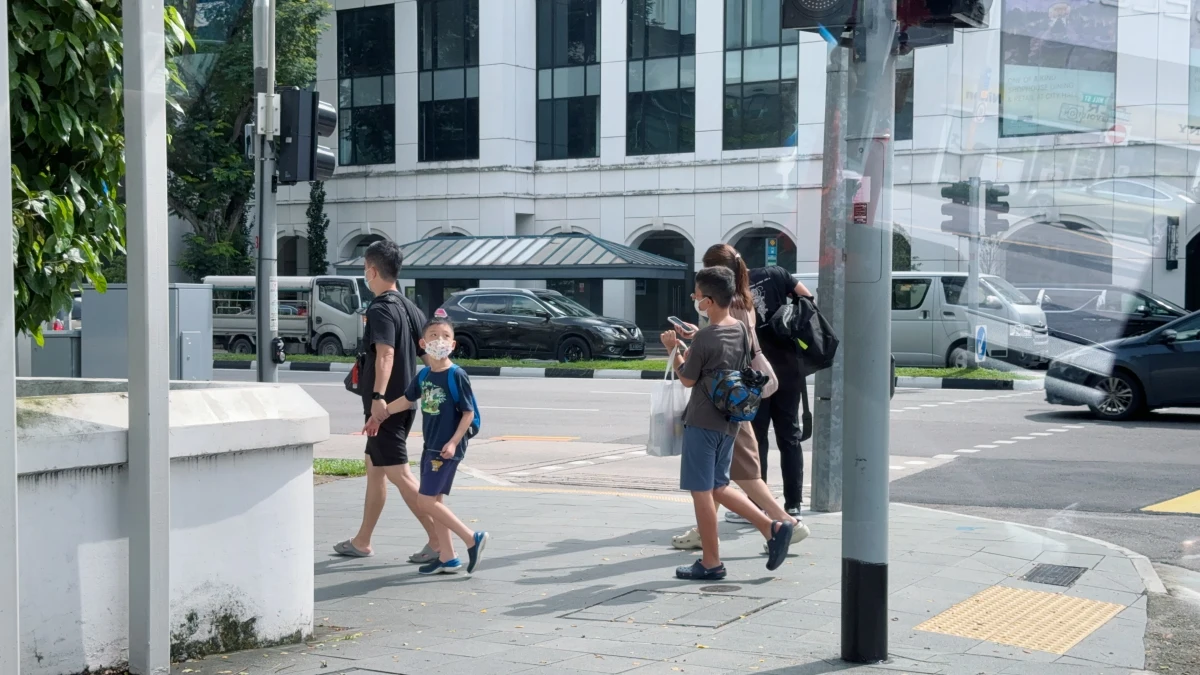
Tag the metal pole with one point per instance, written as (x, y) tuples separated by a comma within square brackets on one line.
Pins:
[(266, 310), (867, 338), (149, 503), (975, 216), (10, 581), (831, 297)]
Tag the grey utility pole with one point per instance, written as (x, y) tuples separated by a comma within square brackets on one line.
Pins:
[(866, 339), (266, 297), (831, 297), (975, 214), (10, 581)]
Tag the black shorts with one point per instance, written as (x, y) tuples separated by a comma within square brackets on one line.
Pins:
[(390, 446)]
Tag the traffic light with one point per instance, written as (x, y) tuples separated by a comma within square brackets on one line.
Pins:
[(959, 208), (303, 119), (993, 223)]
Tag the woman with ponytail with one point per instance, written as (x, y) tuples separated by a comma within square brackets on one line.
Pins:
[(745, 470)]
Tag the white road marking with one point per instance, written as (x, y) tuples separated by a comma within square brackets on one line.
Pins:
[(1024, 438), (913, 408), (897, 468), (549, 468), (1005, 442), (638, 452), (1058, 431), (1040, 433), (611, 457), (928, 405), (987, 447), (517, 473), (967, 450), (582, 462), (1075, 426), (945, 456), (916, 462)]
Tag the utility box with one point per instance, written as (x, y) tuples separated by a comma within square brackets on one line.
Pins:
[(104, 350), (58, 356)]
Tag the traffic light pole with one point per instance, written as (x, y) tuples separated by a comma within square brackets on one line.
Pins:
[(975, 214), (267, 290), (866, 340)]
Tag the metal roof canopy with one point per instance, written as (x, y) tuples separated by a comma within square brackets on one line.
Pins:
[(558, 256)]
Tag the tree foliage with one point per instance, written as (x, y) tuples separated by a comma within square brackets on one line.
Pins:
[(318, 226), (66, 96), (211, 178)]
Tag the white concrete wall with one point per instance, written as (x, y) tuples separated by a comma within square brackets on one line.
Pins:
[(713, 195), (241, 520)]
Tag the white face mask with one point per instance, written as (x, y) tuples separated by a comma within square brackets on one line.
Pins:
[(699, 311), (439, 349)]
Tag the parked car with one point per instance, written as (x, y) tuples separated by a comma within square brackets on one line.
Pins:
[(522, 322), (1094, 313), (1123, 378), (930, 326), (1135, 208)]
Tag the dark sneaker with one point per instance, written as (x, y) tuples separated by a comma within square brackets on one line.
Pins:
[(777, 545), (794, 511), (476, 552), (698, 572), (451, 566)]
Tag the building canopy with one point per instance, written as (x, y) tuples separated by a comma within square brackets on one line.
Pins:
[(559, 256)]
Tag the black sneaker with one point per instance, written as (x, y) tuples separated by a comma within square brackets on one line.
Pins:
[(777, 545), (698, 572), (474, 553)]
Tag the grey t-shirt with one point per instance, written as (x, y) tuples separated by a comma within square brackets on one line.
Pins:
[(714, 348)]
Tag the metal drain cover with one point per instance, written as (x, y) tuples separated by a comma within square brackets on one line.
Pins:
[(719, 589), (696, 610), (1054, 575)]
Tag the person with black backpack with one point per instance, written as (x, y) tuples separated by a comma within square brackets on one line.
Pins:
[(771, 288), (383, 370)]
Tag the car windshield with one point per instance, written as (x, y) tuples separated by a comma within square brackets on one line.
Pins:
[(565, 306), (1007, 291), (1166, 304), (364, 292)]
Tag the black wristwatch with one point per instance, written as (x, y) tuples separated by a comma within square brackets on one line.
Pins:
[(376, 396)]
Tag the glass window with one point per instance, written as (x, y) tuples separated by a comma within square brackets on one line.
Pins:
[(568, 109), (448, 83), (522, 306), (366, 86), (1187, 331), (904, 97), (1131, 189), (909, 293), (337, 295), (661, 82), (761, 68), (491, 304), (953, 288)]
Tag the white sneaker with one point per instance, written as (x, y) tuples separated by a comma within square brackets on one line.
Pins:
[(800, 532), (688, 540), (731, 517)]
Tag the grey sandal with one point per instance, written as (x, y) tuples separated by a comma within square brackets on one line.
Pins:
[(425, 555), (348, 549)]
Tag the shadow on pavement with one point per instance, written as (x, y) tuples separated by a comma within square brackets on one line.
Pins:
[(1152, 420)]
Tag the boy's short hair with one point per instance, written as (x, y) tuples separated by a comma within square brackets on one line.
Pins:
[(437, 321), (717, 283)]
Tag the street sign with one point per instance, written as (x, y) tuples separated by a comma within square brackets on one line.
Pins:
[(980, 344), (274, 304), (1117, 135), (772, 251)]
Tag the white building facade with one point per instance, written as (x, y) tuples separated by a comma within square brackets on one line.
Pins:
[(672, 125)]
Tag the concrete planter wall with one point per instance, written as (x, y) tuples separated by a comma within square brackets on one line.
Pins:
[(241, 520)]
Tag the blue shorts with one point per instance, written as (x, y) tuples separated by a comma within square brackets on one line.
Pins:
[(437, 474), (706, 459)]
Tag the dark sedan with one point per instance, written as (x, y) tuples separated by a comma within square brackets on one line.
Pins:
[(1087, 314), (524, 322), (1124, 378)]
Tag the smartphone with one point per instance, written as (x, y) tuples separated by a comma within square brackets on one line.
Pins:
[(679, 323)]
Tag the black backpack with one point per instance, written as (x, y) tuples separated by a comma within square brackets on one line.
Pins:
[(395, 301), (815, 340)]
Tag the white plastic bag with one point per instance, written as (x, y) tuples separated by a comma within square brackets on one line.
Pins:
[(667, 405)]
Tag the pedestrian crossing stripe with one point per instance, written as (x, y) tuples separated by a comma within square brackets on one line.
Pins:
[(1189, 503)]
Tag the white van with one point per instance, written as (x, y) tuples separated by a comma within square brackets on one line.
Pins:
[(930, 325)]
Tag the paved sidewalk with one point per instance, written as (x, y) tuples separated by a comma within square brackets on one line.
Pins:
[(581, 581)]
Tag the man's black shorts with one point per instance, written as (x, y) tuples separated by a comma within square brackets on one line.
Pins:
[(390, 446)]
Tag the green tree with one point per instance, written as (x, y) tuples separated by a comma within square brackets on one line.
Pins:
[(902, 251), (318, 226), (211, 178), (66, 96)]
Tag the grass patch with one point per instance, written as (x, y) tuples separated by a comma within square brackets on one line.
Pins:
[(962, 373), (351, 468)]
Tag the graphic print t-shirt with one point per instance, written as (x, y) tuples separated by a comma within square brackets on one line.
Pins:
[(440, 415), (770, 288)]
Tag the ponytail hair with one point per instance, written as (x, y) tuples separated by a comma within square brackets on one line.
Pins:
[(724, 255)]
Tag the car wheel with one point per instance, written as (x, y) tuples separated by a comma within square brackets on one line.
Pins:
[(241, 345), (1121, 397), (329, 346), (958, 356), (573, 350), (465, 348)]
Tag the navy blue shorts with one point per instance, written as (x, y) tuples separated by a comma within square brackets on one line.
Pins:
[(707, 456), (437, 474)]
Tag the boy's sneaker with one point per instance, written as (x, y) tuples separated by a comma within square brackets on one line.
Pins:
[(731, 517), (476, 551), (688, 540), (800, 532), (777, 545), (451, 566), (698, 572)]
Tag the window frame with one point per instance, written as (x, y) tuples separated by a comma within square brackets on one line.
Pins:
[(928, 283), (349, 145), (683, 106), (907, 63), (787, 40), (548, 151), (464, 108)]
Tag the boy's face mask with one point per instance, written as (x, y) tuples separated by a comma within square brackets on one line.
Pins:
[(439, 348)]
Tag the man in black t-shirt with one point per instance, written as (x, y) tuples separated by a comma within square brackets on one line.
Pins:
[(392, 339), (771, 287)]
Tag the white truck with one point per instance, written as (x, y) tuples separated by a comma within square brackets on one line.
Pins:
[(317, 315)]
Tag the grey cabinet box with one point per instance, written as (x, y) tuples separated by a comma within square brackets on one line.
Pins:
[(58, 356), (105, 351)]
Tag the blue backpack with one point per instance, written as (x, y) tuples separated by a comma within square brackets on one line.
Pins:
[(737, 394), (453, 382)]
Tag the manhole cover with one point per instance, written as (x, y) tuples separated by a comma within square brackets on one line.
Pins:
[(719, 589), (696, 610), (1054, 575)]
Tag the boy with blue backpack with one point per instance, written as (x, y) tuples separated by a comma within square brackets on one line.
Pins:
[(725, 391), (449, 417)]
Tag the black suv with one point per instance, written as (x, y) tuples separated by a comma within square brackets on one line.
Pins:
[(524, 322)]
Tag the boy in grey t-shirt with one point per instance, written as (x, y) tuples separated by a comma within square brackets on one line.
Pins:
[(708, 435)]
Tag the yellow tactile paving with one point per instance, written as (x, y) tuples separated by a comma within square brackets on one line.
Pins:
[(1046, 622), (599, 493), (1189, 503)]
